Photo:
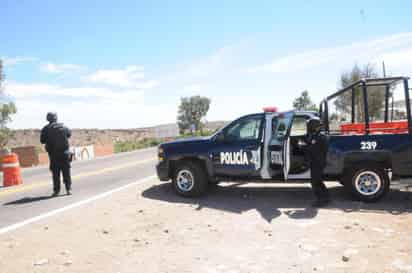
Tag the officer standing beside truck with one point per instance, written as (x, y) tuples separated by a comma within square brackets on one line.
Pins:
[(317, 148), (55, 137)]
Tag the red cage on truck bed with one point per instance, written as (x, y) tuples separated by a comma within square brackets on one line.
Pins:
[(393, 127)]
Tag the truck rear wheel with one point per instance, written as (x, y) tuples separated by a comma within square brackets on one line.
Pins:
[(368, 184), (190, 180)]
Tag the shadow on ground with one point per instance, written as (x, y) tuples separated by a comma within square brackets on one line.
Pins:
[(27, 200), (271, 202)]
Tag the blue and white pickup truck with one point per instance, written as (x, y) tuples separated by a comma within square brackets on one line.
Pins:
[(370, 144)]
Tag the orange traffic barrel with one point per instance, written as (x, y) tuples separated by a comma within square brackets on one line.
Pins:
[(11, 170)]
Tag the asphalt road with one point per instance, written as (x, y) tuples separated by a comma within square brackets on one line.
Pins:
[(90, 178)]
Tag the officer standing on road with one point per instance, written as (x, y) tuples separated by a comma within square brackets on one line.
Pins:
[(317, 148), (56, 136)]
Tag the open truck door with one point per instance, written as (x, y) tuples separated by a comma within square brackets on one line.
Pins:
[(280, 144), (295, 165), (286, 157)]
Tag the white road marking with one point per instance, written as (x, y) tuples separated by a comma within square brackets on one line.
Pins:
[(71, 206)]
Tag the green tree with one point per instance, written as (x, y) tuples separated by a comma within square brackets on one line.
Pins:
[(304, 102), (190, 114), (7, 109), (376, 95)]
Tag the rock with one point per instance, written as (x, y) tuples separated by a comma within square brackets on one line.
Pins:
[(166, 231), (348, 227), (65, 252), (67, 263), (378, 229), (41, 262), (140, 211), (309, 248), (46, 228), (348, 253), (104, 231), (268, 232), (402, 266), (306, 223), (136, 240)]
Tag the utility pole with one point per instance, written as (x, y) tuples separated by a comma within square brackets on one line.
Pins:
[(384, 69)]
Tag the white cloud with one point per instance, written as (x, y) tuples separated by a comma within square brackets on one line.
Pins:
[(111, 99), (83, 114), (239, 84), (398, 62), (21, 91), (359, 51), (238, 79), (85, 107), (129, 77), (10, 61), (59, 68), (190, 90)]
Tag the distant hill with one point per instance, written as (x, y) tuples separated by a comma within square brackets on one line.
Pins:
[(81, 137)]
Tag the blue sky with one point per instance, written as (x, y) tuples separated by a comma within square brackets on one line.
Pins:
[(125, 64)]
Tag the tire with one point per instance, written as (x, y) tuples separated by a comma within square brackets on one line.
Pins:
[(368, 184), (190, 180)]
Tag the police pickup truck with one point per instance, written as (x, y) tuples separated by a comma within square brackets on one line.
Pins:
[(369, 133)]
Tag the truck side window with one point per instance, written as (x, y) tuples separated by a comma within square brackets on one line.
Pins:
[(244, 129), (298, 126)]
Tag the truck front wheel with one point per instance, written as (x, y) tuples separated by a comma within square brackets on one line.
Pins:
[(190, 180), (367, 184)]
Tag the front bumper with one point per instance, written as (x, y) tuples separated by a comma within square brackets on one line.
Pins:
[(162, 169)]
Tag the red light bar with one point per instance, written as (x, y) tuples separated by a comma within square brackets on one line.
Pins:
[(270, 109)]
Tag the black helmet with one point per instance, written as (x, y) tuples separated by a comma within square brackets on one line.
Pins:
[(51, 117), (313, 125)]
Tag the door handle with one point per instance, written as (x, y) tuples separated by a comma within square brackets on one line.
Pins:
[(251, 147)]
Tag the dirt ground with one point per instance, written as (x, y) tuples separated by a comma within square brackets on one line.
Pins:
[(236, 228)]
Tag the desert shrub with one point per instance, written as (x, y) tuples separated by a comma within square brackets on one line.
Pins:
[(131, 145)]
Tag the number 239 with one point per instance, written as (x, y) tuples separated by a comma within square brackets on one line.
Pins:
[(368, 145)]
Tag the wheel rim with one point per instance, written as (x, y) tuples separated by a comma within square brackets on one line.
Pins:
[(184, 180), (368, 183)]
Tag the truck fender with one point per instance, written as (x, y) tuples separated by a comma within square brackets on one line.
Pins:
[(204, 161), (381, 157)]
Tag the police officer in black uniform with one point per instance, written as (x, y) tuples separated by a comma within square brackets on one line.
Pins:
[(317, 148), (56, 136)]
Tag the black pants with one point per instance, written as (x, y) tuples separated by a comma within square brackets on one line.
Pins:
[(56, 171), (318, 187)]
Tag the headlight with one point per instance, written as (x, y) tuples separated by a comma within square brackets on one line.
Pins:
[(160, 154)]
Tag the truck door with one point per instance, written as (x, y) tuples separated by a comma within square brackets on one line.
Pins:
[(286, 157), (279, 145), (294, 151), (237, 149)]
